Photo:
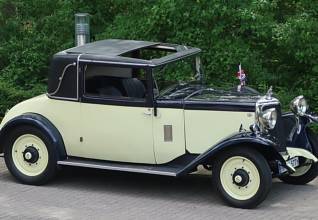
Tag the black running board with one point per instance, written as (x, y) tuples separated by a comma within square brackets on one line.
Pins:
[(170, 169)]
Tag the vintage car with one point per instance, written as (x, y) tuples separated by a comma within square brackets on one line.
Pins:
[(143, 107)]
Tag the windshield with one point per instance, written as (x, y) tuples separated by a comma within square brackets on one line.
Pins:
[(177, 76)]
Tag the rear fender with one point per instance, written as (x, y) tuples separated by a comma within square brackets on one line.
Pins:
[(39, 122)]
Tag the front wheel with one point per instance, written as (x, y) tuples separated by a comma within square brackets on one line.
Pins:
[(303, 174), (242, 177), (309, 170), (30, 156)]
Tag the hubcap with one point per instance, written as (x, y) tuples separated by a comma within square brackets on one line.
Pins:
[(27, 156), (240, 178), (30, 155)]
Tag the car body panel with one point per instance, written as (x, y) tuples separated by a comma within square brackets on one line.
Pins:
[(168, 149), (63, 114), (116, 133), (204, 128)]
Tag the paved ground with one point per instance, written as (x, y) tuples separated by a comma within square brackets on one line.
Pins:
[(90, 194)]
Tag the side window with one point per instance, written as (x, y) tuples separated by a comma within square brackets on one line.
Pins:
[(116, 82)]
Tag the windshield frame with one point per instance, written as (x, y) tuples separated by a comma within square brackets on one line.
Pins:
[(198, 74)]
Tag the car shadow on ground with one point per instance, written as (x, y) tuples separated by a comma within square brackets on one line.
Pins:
[(191, 188)]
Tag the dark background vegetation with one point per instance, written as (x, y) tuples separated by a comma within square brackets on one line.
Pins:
[(276, 41)]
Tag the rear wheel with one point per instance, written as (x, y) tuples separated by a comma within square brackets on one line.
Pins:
[(30, 155), (242, 177)]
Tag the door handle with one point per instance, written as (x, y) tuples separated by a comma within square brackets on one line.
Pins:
[(148, 112)]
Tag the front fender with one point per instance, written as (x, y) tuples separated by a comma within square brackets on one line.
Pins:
[(39, 122), (261, 143), (313, 140), (300, 136)]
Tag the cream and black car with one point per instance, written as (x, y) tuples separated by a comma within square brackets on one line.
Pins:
[(143, 107)]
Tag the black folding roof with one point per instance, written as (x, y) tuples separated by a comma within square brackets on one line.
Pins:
[(112, 47), (64, 75), (111, 51)]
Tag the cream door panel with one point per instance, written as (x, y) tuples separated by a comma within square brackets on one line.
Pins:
[(205, 128), (169, 140), (116, 133), (63, 114)]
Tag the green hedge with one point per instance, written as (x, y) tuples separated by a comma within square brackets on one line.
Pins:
[(276, 41)]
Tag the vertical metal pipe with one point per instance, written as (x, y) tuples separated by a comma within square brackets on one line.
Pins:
[(82, 33)]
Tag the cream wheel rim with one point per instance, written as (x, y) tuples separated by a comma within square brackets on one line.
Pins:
[(303, 169), (232, 182), (21, 156)]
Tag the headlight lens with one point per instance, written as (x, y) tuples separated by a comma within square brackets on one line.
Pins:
[(268, 118), (299, 105)]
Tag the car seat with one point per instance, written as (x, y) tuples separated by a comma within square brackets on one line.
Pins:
[(134, 87), (109, 91)]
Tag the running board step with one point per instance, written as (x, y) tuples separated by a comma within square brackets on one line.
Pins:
[(165, 170)]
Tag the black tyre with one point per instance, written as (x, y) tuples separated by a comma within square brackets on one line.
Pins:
[(242, 176), (30, 155), (302, 176), (307, 173)]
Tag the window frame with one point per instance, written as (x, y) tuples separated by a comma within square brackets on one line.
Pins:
[(113, 100)]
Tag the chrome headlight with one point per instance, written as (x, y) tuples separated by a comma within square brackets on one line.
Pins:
[(268, 118), (299, 106)]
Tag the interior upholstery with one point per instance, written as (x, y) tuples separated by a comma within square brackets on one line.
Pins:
[(134, 87), (109, 91), (115, 86)]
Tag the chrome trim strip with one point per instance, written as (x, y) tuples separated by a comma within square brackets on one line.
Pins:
[(61, 98), (61, 78), (77, 86), (115, 168)]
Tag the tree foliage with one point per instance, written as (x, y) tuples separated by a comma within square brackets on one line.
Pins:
[(276, 41)]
